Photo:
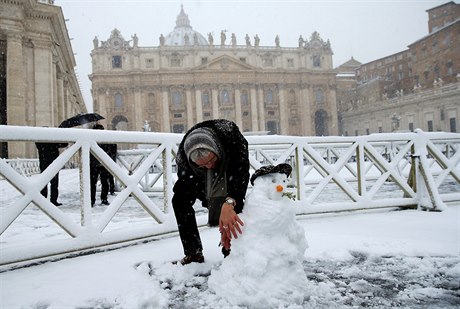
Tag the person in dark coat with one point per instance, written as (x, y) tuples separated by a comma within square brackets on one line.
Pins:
[(47, 153), (98, 171), (212, 166), (112, 152)]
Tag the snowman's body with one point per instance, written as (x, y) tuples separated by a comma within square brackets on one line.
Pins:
[(264, 268)]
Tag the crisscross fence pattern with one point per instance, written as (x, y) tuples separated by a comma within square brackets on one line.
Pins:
[(329, 174)]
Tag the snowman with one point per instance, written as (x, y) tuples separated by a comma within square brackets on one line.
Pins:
[(264, 269)]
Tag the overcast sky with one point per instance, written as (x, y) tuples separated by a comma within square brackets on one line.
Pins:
[(363, 29)]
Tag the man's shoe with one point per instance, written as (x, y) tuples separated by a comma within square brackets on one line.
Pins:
[(56, 203), (194, 258), (105, 202)]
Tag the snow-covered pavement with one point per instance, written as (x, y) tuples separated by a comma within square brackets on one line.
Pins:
[(407, 259)]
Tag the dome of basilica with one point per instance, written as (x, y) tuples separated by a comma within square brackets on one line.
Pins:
[(183, 34)]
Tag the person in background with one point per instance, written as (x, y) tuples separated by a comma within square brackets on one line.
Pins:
[(97, 170), (47, 153), (112, 152), (212, 166)]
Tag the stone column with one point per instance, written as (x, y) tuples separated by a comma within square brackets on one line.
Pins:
[(283, 111), (238, 113), (261, 109), (44, 87), (334, 128), (199, 105), (255, 116), (139, 108), (308, 120), (15, 90), (166, 127), (215, 102), (303, 110), (15, 86), (188, 104), (62, 111)]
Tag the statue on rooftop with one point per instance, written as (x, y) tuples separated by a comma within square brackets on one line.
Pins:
[(223, 37), (96, 42), (233, 40), (210, 39), (301, 41)]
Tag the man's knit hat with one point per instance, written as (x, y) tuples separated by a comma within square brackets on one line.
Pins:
[(201, 138)]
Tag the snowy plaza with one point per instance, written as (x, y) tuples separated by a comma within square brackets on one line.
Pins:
[(375, 254)]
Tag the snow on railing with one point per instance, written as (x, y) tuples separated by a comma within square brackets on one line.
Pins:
[(329, 174)]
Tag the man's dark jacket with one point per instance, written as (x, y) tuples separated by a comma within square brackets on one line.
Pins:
[(191, 185)]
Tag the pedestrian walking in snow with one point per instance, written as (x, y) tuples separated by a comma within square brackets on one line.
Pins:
[(47, 153), (98, 171), (112, 152), (212, 166)]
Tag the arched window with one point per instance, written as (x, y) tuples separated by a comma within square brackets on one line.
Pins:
[(292, 97), (151, 102), (205, 98), (319, 96), (244, 97), (177, 98), (321, 123), (225, 97), (118, 100), (269, 96)]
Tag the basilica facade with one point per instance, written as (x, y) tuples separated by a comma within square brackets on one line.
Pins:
[(189, 78)]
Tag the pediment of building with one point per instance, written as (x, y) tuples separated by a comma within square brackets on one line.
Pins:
[(225, 63)]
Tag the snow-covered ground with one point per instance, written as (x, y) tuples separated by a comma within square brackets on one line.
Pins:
[(380, 259)]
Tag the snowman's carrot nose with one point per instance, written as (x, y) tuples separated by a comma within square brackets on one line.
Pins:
[(279, 188)]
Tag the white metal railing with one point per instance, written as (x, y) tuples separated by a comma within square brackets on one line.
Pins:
[(416, 166)]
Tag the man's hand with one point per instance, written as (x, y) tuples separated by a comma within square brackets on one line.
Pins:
[(229, 223)]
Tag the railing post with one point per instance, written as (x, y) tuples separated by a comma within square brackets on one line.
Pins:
[(85, 189), (425, 181), (299, 171), (360, 169)]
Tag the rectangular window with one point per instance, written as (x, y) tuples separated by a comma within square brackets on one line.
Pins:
[(271, 113), (380, 130), (242, 59), (453, 124), (175, 62), (356, 132), (430, 125), (290, 63), (149, 63), (116, 62), (367, 131), (204, 60), (411, 126), (178, 115), (316, 61), (178, 128), (268, 62)]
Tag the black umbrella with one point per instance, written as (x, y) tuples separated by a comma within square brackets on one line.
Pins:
[(80, 119)]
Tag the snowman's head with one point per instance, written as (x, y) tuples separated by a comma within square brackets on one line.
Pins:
[(272, 180), (271, 185)]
